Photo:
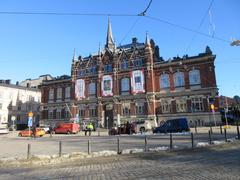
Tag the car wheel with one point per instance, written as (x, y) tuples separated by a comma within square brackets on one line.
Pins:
[(68, 132), (20, 134)]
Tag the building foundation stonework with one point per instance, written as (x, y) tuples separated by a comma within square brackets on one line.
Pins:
[(133, 82)]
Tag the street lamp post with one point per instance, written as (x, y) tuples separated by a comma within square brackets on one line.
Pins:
[(107, 121)]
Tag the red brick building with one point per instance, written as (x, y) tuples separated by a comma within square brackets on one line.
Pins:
[(131, 83)]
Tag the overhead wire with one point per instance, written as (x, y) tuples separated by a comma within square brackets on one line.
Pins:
[(200, 25)]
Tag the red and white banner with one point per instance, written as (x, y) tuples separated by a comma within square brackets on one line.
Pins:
[(80, 89), (107, 85), (137, 81)]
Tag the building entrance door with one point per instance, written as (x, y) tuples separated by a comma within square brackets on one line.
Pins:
[(108, 116)]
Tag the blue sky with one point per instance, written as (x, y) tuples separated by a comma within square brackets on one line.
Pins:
[(32, 45)]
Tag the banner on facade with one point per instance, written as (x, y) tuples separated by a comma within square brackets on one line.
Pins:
[(80, 89), (107, 85), (137, 81)]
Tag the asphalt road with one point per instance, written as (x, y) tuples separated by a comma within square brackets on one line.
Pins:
[(221, 162), (13, 146)]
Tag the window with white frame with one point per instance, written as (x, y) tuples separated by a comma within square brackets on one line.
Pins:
[(164, 81), (179, 79), (59, 113), (59, 93), (92, 89), (67, 92), (166, 106), (197, 104), (125, 87), (139, 107), (50, 114), (181, 105), (51, 94), (93, 111), (126, 109), (194, 77), (81, 110)]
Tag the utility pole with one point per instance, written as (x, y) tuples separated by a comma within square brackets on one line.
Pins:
[(225, 111)]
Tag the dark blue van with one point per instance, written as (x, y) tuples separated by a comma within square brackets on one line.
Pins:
[(172, 126)]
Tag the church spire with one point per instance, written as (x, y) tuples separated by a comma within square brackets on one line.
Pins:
[(109, 42), (147, 41), (74, 55)]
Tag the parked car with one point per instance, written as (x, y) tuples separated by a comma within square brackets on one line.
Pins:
[(127, 128), (46, 128), (67, 128), (4, 131), (173, 125), (143, 126), (26, 133)]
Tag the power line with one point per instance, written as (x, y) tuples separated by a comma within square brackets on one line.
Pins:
[(62, 14), (201, 22), (145, 11), (186, 28)]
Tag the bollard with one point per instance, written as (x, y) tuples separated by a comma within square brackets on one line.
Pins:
[(50, 134), (171, 145), (225, 134), (98, 132), (211, 128), (238, 135), (118, 146), (210, 137), (89, 147), (29, 151), (60, 148), (195, 128), (146, 148), (192, 140), (220, 128)]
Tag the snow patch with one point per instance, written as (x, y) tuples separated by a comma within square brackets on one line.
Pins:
[(131, 151), (202, 144), (161, 148)]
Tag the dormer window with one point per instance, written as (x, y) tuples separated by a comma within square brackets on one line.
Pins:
[(108, 68), (138, 63), (124, 64)]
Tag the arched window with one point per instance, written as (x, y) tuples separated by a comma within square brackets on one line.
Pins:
[(125, 86), (179, 79), (164, 81), (194, 77)]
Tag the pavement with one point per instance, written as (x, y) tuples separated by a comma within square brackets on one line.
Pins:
[(216, 162), (13, 146)]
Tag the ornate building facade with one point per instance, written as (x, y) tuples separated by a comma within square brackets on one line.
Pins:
[(132, 83)]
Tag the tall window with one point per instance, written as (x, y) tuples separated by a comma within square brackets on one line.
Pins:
[(58, 114), (67, 92), (59, 93), (124, 64), (197, 104), (164, 81), (139, 108), (81, 111), (125, 88), (194, 77), (82, 72), (51, 94), (126, 109), (50, 114), (108, 68), (181, 105), (166, 106), (92, 89), (92, 111), (179, 79)]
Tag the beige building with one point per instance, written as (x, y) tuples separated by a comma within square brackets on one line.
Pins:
[(16, 102)]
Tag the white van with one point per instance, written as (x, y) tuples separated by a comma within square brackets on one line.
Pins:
[(143, 126)]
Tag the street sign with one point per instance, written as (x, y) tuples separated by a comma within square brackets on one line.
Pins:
[(29, 121), (13, 118)]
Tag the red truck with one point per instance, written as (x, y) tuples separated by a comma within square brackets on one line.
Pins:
[(67, 128)]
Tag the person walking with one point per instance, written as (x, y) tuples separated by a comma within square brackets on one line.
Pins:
[(90, 128)]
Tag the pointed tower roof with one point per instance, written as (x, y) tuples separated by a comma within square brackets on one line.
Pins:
[(109, 41), (74, 55), (147, 41)]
